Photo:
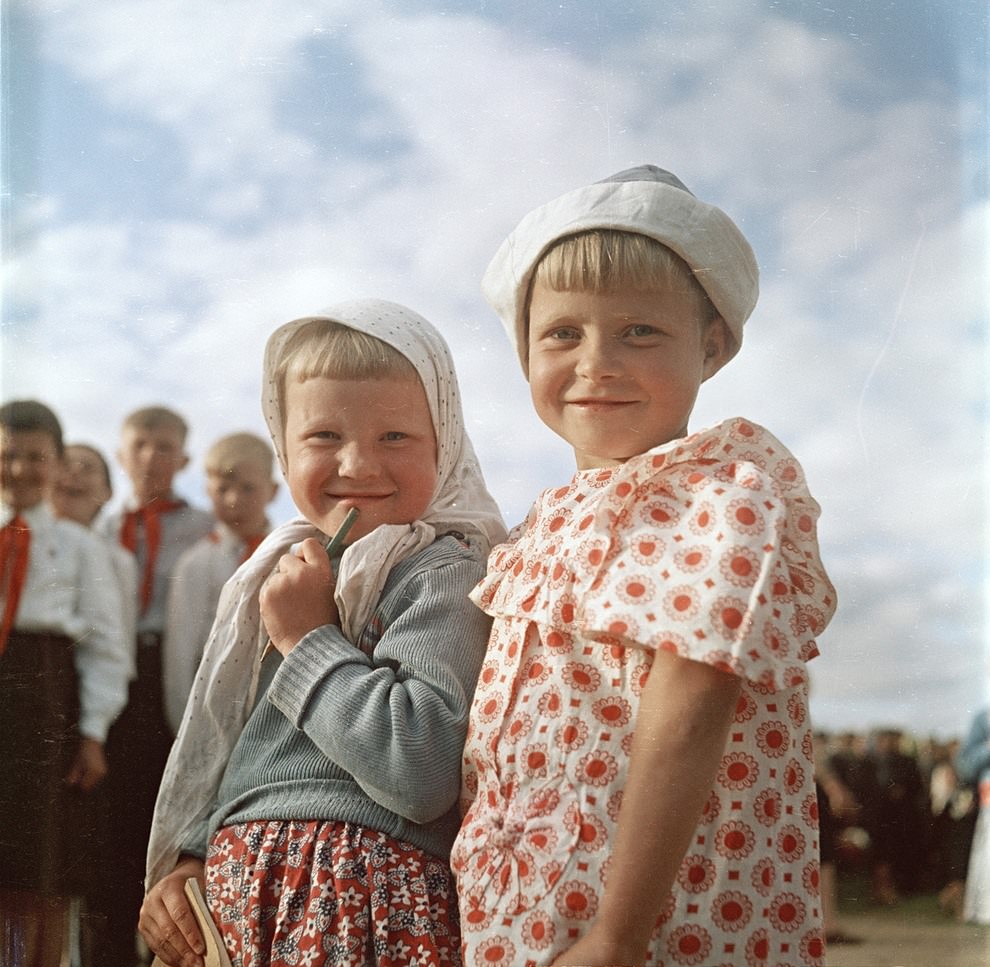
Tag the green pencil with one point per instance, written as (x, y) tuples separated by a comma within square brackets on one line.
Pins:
[(333, 545)]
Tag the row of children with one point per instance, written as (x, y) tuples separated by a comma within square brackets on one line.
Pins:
[(593, 749), (93, 686)]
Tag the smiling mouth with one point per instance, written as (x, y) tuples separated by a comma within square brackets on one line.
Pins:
[(599, 403)]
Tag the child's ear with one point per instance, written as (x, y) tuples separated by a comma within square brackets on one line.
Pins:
[(718, 341), (274, 491)]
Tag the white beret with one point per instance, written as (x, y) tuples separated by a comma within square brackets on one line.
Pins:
[(647, 201)]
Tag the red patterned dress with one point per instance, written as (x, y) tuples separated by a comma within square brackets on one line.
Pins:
[(705, 547)]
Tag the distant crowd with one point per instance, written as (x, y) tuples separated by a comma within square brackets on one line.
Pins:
[(899, 811)]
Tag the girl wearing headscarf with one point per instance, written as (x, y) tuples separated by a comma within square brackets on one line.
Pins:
[(313, 783)]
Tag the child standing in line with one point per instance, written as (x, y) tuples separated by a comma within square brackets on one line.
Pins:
[(156, 526), (315, 787), (65, 661), (83, 488), (638, 776), (240, 486)]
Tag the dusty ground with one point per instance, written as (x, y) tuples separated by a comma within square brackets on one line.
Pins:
[(912, 934)]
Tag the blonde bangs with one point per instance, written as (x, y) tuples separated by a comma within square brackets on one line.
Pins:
[(603, 260), (328, 349)]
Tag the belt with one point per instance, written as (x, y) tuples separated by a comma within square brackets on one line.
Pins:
[(149, 639)]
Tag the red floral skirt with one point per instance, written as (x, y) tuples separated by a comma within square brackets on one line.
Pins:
[(309, 894)]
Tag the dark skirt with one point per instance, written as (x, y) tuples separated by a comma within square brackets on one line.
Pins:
[(48, 837)]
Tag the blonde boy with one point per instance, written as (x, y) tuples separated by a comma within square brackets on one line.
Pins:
[(157, 526), (240, 484)]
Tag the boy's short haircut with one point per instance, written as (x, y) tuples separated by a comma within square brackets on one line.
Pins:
[(31, 416), (603, 260), (236, 449), (326, 348), (156, 417)]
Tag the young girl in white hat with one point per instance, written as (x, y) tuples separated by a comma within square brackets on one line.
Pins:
[(638, 775)]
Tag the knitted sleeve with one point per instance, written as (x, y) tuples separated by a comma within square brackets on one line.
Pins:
[(395, 718)]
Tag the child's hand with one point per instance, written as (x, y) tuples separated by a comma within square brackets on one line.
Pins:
[(167, 922), (298, 596), (89, 766), (594, 951)]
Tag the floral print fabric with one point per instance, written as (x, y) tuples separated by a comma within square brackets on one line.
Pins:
[(707, 548), (316, 894)]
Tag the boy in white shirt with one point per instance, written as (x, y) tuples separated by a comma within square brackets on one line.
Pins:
[(157, 526), (241, 485), (65, 660)]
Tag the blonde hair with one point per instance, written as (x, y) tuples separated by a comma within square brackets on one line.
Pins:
[(239, 448), (329, 349), (156, 417), (604, 260)]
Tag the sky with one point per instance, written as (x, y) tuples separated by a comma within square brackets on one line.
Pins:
[(180, 178)]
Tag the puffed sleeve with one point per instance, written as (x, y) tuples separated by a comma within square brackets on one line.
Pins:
[(712, 555)]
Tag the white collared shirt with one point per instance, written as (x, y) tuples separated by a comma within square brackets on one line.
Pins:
[(194, 590), (181, 529), (71, 588)]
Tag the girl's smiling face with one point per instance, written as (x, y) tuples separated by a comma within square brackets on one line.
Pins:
[(368, 444), (82, 487), (616, 373)]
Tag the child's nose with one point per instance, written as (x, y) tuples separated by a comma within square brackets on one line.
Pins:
[(354, 460), (598, 359)]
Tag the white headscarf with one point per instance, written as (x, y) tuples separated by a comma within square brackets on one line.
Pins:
[(223, 693), (647, 201)]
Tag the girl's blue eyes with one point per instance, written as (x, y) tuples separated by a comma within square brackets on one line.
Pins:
[(638, 331), (391, 436)]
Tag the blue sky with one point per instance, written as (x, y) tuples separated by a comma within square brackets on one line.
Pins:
[(181, 177)]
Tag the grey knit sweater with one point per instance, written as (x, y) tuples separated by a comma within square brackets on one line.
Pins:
[(371, 735)]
